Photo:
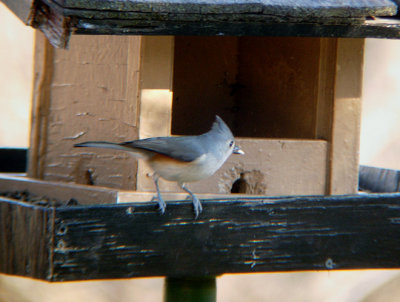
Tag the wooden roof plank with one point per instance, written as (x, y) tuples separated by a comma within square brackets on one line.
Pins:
[(300, 8), (58, 19)]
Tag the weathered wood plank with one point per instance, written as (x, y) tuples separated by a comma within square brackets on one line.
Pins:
[(231, 236), (26, 234), (379, 180), (301, 8), (325, 18), (376, 28)]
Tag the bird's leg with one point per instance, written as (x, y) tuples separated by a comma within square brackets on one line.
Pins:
[(196, 202), (161, 202)]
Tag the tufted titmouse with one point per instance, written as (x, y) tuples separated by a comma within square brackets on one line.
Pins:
[(181, 158)]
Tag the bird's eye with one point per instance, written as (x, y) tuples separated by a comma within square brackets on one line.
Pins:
[(231, 144)]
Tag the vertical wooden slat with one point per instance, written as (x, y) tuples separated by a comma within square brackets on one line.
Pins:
[(325, 99), (346, 117), (133, 78), (338, 110), (43, 74), (326, 87)]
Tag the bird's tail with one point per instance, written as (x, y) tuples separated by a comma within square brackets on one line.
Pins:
[(107, 145)]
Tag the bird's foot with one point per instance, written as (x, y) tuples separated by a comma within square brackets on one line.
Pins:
[(196, 202), (197, 206), (161, 203)]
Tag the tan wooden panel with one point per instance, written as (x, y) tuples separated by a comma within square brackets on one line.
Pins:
[(86, 195), (57, 190), (91, 93), (347, 117), (269, 167)]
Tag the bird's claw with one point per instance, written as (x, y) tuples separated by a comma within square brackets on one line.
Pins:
[(197, 206), (161, 204)]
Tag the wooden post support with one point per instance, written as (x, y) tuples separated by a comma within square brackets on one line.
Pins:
[(198, 289)]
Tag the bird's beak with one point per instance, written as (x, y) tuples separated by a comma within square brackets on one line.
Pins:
[(237, 150)]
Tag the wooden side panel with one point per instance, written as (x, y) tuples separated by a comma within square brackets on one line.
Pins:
[(26, 234), (271, 167), (346, 117), (93, 96)]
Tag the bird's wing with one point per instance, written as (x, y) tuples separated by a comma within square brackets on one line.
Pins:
[(180, 148)]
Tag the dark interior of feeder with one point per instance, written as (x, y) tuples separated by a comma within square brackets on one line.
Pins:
[(263, 87)]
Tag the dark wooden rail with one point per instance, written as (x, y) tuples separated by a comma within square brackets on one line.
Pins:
[(231, 236)]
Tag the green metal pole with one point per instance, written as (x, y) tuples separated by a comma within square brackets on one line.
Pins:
[(196, 289)]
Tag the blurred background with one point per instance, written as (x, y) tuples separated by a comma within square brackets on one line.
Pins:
[(380, 146)]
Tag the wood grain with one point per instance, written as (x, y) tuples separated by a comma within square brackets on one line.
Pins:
[(309, 8), (26, 234), (59, 19), (43, 75), (72, 88), (231, 236), (346, 116)]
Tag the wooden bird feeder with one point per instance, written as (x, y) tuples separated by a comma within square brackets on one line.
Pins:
[(287, 79)]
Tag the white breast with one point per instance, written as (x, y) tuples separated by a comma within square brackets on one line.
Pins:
[(198, 169)]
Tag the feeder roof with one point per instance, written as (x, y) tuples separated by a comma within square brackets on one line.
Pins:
[(317, 18)]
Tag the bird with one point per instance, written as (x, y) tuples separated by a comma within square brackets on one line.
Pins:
[(180, 159)]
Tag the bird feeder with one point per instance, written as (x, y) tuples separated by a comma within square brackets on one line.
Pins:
[(287, 79)]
